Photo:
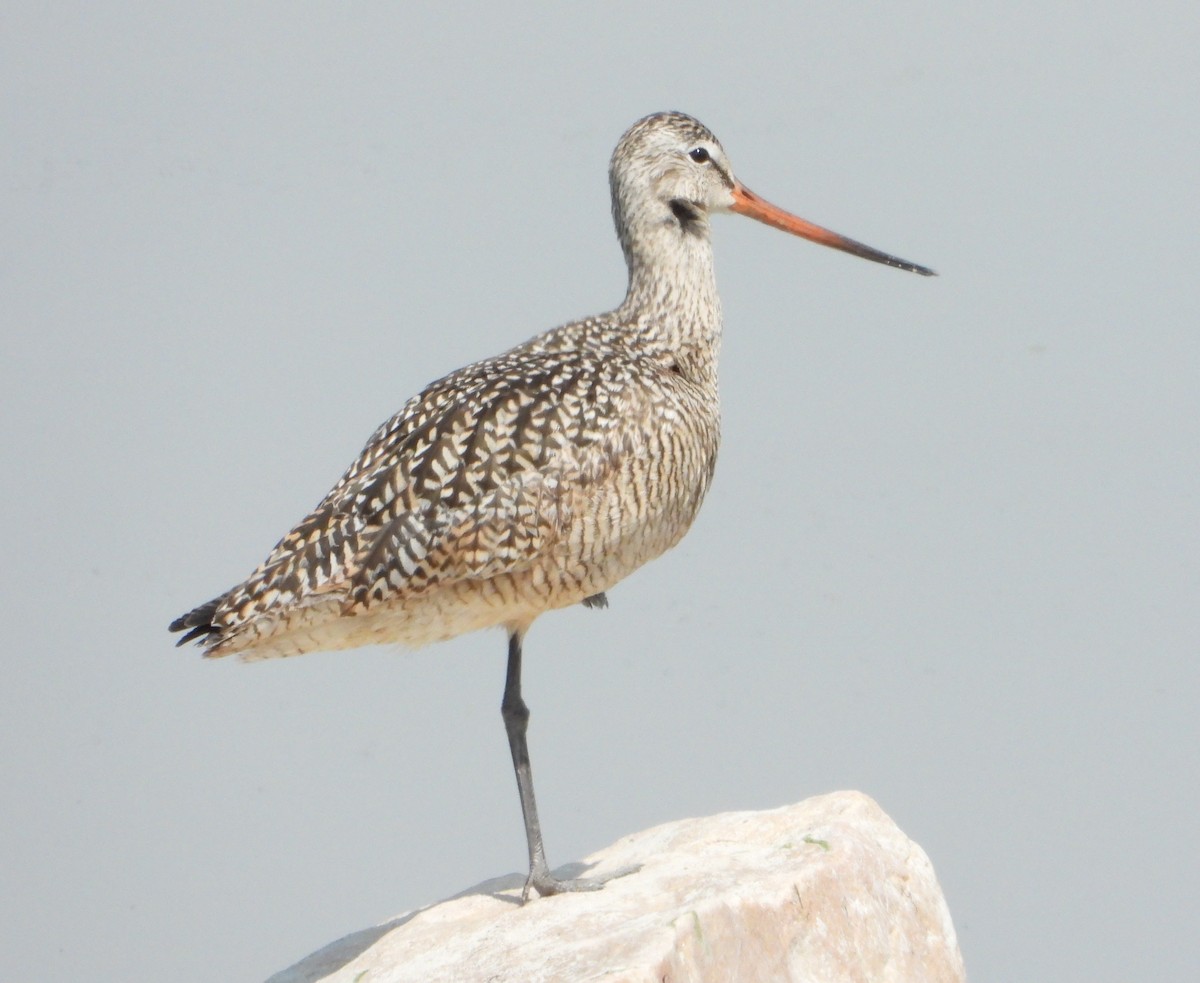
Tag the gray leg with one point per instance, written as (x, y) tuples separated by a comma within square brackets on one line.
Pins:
[(516, 722)]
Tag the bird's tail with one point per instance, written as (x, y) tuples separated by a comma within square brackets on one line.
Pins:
[(198, 623)]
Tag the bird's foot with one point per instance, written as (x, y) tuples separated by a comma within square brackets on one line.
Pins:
[(546, 884)]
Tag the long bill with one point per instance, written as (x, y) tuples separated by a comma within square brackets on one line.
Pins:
[(746, 202)]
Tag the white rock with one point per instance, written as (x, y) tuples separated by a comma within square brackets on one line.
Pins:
[(825, 890)]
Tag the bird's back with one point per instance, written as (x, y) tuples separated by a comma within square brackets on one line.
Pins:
[(516, 485)]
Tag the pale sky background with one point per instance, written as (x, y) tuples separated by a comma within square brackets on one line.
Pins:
[(951, 558)]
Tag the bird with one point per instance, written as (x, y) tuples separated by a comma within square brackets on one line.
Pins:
[(538, 478)]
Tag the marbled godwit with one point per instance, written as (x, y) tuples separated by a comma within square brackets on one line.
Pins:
[(536, 479)]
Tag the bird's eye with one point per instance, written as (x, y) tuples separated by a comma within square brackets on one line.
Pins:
[(699, 155)]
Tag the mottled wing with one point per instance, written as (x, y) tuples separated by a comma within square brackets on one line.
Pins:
[(467, 482)]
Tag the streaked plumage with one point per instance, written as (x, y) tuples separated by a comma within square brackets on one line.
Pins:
[(535, 479)]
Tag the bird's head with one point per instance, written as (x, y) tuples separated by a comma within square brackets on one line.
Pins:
[(669, 172)]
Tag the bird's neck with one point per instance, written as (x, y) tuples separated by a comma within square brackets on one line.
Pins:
[(672, 303)]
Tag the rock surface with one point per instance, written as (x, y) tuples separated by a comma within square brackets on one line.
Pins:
[(825, 890)]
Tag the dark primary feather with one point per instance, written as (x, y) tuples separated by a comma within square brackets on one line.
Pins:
[(199, 620)]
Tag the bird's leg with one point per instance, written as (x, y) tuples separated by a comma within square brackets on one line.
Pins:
[(516, 722)]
